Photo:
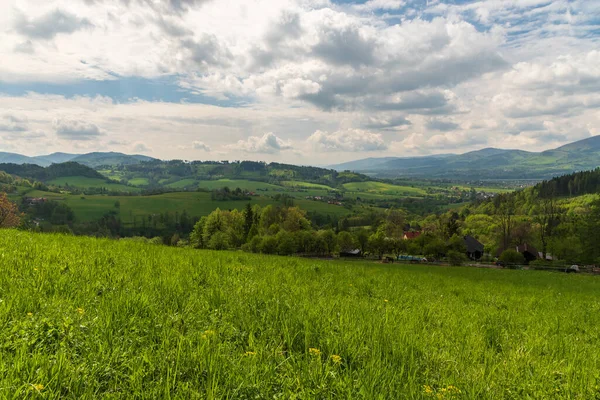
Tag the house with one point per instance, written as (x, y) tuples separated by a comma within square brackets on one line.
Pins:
[(351, 253), (474, 247), (32, 201), (529, 252), (411, 235)]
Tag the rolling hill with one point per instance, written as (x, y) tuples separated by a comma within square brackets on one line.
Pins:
[(489, 163), (90, 159)]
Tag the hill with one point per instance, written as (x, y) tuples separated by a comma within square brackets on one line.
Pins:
[(489, 163), (13, 158), (90, 159), (44, 174)]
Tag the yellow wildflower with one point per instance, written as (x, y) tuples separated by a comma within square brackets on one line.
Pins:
[(250, 353), (386, 300), (314, 352), (38, 386), (336, 359), (80, 310), (208, 334), (30, 314), (428, 389)]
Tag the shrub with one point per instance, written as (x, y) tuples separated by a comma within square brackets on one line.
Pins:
[(512, 257), (455, 258)]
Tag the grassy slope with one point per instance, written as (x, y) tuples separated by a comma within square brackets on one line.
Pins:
[(87, 208), (306, 185), (129, 320), (84, 182), (384, 188), (237, 183)]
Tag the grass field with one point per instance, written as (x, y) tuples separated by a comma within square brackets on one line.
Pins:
[(237, 183), (306, 185), (384, 188), (84, 182), (84, 318), (93, 207), (138, 181)]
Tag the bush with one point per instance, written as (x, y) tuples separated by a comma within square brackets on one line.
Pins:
[(512, 257), (455, 258)]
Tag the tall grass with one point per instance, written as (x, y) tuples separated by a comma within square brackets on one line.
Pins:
[(82, 318)]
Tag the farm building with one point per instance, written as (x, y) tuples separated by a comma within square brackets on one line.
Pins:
[(474, 247), (411, 235)]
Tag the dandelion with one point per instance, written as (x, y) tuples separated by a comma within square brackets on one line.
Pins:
[(38, 386), (250, 353), (30, 314), (80, 310), (314, 352), (336, 359), (428, 389), (208, 334)]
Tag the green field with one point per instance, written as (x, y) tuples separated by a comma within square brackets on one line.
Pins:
[(306, 185), (237, 183), (183, 183), (384, 188), (86, 318), (138, 181), (197, 204), (84, 182)]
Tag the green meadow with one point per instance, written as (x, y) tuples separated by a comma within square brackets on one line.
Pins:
[(85, 318), (384, 188), (85, 182), (93, 207)]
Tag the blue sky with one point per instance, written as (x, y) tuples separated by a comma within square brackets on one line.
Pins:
[(297, 80)]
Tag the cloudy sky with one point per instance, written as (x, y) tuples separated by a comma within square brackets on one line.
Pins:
[(299, 81)]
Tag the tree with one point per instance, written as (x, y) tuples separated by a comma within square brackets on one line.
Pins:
[(512, 257), (362, 238), (329, 240), (504, 210), (346, 241), (546, 216), (285, 243), (9, 213), (196, 237), (378, 244), (248, 219)]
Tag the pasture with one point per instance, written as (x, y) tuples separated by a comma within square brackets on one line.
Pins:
[(197, 204), (87, 318), (85, 182)]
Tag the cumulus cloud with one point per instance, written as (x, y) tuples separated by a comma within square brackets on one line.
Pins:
[(47, 26), (12, 123), (441, 125), (140, 147), (196, 145), (373, 5), (350, 140), (76, 130), (267, 144)]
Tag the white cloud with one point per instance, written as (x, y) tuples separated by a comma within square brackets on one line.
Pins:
[(140, 147), (267, 144), (196, 145), (373, 5), (430, 77), (351, 140), (76, 130)]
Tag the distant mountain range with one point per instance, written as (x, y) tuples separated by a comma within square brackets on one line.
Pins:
[(90, 159), (487, 163)]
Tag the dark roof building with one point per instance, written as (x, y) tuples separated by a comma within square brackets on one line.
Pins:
[(474, 247)]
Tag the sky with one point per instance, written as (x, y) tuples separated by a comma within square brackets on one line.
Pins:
[(297, 81)]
